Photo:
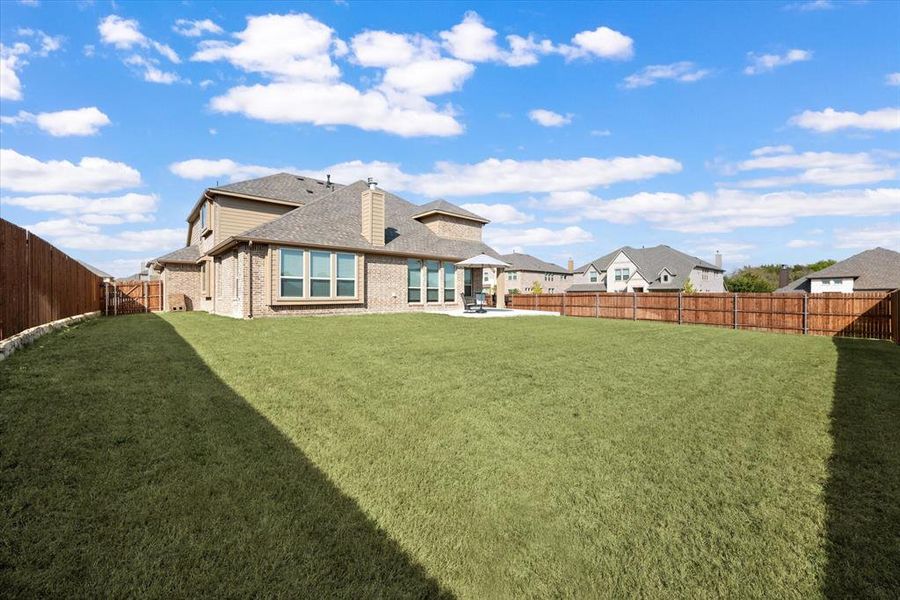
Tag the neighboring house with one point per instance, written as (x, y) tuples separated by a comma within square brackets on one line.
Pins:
[(524, 270), (873, 270), (145, 274), (286, 244), (106, 277), (657, 269)]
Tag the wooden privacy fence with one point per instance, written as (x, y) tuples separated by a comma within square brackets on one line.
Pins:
[(39, 283), (129, 297), (860, 314)]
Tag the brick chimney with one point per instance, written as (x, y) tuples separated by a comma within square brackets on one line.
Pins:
[(718, 259), (373, 214), (784, 276), (571, 265)]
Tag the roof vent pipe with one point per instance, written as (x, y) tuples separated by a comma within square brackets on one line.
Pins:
[(328, 180)]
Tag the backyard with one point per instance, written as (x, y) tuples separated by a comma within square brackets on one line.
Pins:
[(423, 456)]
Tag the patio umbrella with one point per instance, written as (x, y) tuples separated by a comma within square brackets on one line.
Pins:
[(483, 261)]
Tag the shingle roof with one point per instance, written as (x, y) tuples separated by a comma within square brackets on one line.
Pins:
[(94, 270), (447, 207), (525, 262), (651, 261), (875, 269), (587, 287), (287, 187), (188, 254), (335, 220)]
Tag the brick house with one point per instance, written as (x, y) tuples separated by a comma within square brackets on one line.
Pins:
[(287, 245), (525, 270)]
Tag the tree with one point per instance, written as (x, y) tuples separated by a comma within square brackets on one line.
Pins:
[(514, 291), (748, 281), (688, 287), (536, 287)]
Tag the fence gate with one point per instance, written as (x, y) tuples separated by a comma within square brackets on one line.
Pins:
[(130, 297)]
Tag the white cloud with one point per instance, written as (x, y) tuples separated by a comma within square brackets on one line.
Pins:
[(294, 46), (499, 213), (71, 204), (199, 168), (337, 104), (601, 132), (886, 235), (189, 28), (764, 63), (88, 50), (892, 78), (429, 77), (803, 243), (602, 42), (732, 252), (885, 119), (508, 239), (77, 122), (48, 43), (727, 210), (76, 234), (816, 168), (11, 60), (491, 176), (548, 118), (472, 40), (22, 173), (682, 72), (495, 176), (384, 49), (206, 83), (150, 71), (810, 5), (766, 150)]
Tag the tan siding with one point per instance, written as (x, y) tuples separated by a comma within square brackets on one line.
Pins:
[(234, 216)]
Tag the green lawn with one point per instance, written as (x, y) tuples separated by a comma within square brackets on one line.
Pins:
[(420, 456)]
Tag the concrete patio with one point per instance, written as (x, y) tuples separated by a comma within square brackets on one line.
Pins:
[(497, 313)]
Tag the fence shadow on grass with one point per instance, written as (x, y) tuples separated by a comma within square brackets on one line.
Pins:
[(863, 490), (130, 469)]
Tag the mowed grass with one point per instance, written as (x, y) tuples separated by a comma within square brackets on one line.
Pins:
[(418, 456)]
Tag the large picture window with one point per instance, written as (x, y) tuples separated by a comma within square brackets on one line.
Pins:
[(433, 281), (449, 282), (346, 275), (414, 280), (319, 274), (291, 273)]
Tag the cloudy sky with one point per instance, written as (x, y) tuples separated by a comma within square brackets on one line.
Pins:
[(768, 131)]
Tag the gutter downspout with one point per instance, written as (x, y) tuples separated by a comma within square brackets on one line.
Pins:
[(250, 282)]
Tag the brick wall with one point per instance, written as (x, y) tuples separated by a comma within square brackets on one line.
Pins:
[(453, 227), (182, 279), (227, 302)]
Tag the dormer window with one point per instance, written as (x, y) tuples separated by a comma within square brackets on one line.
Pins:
[(593, 275), (665, 278)]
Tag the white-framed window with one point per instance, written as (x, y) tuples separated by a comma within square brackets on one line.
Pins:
[(291, 273), (449, 282), (204, 208), (319, 274), (413, 280), (665, 278), (705, 276), (432, 281), (345, 278), (623, 274), (467, 282), (593, 275)]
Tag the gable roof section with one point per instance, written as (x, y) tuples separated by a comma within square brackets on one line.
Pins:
[(285, 187), (447, 208), (335, 220), (650, 263), (525, 262), (188, 254), (875, 269)]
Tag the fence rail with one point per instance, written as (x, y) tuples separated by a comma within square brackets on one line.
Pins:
[(39, 283), (860, 314)]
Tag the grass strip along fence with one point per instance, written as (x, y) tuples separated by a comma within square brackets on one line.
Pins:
[(860, 314), (40, 283)]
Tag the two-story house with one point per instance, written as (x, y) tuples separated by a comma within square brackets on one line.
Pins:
[(875, 270), (286, 244), (525, 270), (657, 269)]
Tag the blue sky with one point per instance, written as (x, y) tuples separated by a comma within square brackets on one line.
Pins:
[(769, 131)]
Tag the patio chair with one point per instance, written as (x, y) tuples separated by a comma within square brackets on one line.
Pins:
[(468, 303)]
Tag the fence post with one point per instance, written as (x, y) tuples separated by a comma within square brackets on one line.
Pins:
[(562, 312), (535, 301), (805, 314), (679, 307), (734, 319), (106, 298), (144, 292), (115, 298), (634, 306), (596, 305), (895, 316)]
